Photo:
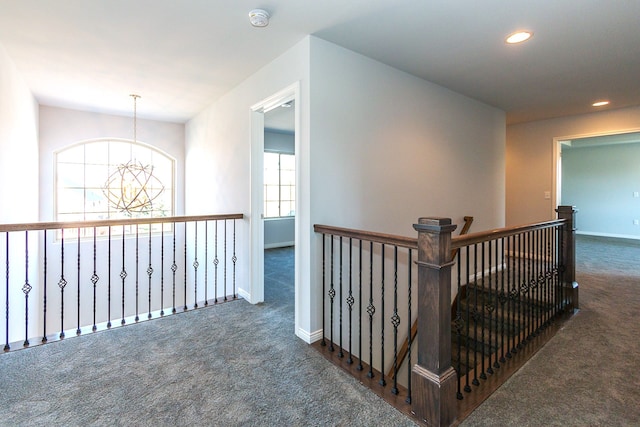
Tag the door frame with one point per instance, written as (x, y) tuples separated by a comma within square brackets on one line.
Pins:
[(289, 93)]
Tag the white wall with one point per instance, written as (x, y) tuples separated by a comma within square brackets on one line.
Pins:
[(378, 148), (61, 127), (602, 180), (218, 159), (18, 188), (388, 148), (530, 154)]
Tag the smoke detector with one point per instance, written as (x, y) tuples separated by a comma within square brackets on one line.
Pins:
[(259, 18)]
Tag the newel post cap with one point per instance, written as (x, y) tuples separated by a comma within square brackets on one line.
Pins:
[(434, 225)]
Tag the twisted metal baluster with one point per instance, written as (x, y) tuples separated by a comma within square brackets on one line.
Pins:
[(324, 285), (185, 266), (359, 367), (61, 283), (395, 321), (225, 260), (109, 282), (475, 380), (149, 273), (162, 270), (457, 323), (216, 261), (123, 275), (78, 331), (350, 299), (340, 353), (206, 264), (332, 294), (467, 387), (174, 268), (26, 288), (195, 267), (94, 281), (371, 309), (234, 259), (483, 374)]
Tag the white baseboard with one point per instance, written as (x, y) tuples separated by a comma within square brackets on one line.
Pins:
[(244, 294), (278, 245), (616, 236), (308, 337)]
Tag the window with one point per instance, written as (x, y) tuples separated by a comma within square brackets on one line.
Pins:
[(112, 179), (279, 185)]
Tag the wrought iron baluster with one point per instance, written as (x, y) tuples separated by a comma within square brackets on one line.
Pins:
[(195, 267), (395, 321), (503, 299), (78, 331), (371, 309), (490, 306), (185, 266), (7, 347), (174, 268), (467, 386), (409, 320), (496, 363), (206, 264), (234, 258), (360, 367), (109, 281), (162, 270), (519, 285), (26, 288), (216, 261), (350, 299), (61, 284), (382, 381), (340, 353), (458, 323), (123, 275), (511, 307), (45, 280), (225, 260), (137, 318), (324, 285), (332, 294), (483, 374), (149, 273), (475, 315), (94, 281)]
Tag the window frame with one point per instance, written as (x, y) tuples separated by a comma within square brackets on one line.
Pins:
[(280, 154)]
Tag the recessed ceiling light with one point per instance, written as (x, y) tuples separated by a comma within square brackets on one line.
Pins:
[(600, 103), (519, 37), (259, 18)]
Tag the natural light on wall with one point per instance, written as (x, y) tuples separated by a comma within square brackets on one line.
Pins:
[(111, 179)]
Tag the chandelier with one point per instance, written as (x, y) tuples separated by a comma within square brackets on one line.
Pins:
[(132, 187)]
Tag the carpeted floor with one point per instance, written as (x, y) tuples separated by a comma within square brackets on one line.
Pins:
[(589, 373), (234, 364), (241, 365)]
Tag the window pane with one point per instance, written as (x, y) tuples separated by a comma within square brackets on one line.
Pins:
[(96, 153), (72, 155)]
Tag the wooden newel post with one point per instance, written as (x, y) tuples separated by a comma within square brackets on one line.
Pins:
[(434, 380), (568, 213)]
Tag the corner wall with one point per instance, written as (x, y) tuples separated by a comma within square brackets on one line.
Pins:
[(530, 158)]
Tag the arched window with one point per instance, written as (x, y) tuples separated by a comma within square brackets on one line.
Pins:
[(111, 179)]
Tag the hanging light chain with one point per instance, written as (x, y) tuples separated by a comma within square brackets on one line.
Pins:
[(135, 116)]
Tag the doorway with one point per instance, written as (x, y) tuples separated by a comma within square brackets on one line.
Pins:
[(275, 118)]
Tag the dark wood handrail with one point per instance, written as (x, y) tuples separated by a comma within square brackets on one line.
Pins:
[(456, 242), (387, 239), (113, 222), (483, 236)]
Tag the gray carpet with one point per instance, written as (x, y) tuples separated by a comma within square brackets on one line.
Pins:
[(234, 364), (589, 373)]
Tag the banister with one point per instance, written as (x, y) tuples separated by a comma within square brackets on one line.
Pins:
[(387, 239), (483, 236), (113, 222)]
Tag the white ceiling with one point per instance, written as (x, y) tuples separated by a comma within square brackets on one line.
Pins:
[(180, 55)]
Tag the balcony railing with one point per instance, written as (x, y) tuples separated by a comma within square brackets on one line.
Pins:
[(65, 278)]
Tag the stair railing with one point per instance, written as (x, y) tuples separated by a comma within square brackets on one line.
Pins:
[(526, 273), (68, 278)]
